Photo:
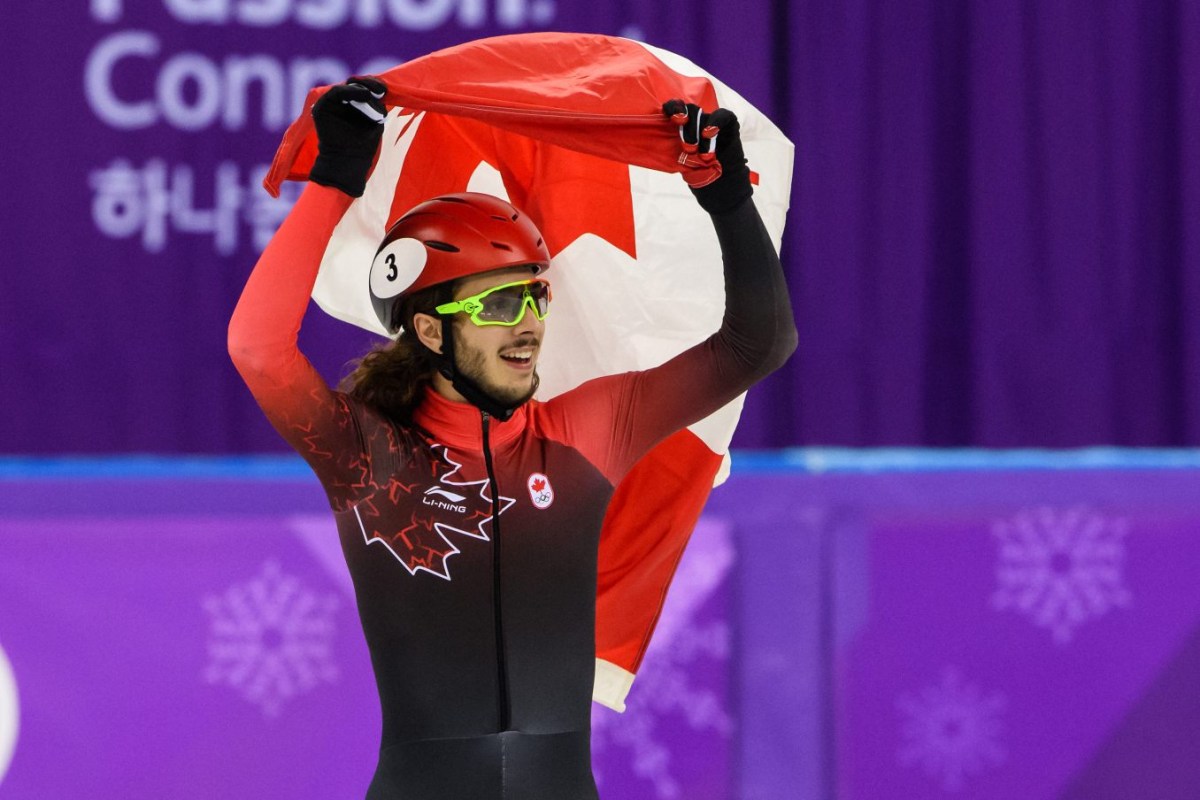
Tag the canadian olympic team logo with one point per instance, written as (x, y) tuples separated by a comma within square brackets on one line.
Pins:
[(8, 714), (540, 490)]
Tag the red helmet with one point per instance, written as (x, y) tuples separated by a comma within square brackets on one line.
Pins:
[(446, 238)]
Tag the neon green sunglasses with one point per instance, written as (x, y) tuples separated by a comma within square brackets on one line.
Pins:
[(504, 304)]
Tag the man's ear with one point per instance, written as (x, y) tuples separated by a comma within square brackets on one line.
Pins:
[(428, 329)]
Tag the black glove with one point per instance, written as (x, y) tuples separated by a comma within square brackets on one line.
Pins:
[(713, 136), (349, 120)]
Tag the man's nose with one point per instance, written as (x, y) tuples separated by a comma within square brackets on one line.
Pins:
[(529, 324)]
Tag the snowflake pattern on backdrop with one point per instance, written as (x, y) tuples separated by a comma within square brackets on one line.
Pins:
[(951, 729), (270, 638), (1060, 568), (665, 693)]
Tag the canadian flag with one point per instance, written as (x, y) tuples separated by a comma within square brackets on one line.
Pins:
[(569, 128)]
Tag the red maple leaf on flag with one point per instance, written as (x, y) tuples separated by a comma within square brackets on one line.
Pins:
[(566, 193), (538, 484), (560, 116)]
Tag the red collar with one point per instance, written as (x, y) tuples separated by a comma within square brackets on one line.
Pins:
[(459, 426)]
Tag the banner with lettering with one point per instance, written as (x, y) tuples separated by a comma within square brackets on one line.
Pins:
[(134, 141)]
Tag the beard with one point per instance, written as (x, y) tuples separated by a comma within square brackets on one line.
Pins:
[(471, 363)]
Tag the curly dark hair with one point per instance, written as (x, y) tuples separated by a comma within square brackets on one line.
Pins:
[(392, 377)]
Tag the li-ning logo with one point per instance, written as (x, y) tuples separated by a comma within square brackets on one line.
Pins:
[(540, 490), (433, 493)]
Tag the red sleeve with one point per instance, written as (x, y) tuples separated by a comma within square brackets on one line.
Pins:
[(615, 420), (318, 422)]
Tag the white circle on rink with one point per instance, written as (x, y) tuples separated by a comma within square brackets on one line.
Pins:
[(8, 714), (396, 267)]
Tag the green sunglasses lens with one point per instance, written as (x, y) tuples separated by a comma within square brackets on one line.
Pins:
[(504, 305)]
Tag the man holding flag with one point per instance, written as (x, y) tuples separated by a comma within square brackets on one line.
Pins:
[(469, 513)]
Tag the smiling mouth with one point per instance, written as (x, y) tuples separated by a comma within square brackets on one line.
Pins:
[(518, 358)]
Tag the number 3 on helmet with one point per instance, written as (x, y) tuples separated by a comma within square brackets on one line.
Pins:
[(450, 237)]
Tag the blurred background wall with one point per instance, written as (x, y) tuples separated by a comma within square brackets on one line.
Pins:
[(993, 238)]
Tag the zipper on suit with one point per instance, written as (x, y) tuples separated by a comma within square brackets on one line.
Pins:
[(505, 713)]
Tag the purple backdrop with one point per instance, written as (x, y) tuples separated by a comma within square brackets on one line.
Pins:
[(995, 234), (155, 649), (1025, 631)]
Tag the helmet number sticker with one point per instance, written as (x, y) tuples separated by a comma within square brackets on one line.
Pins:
[(396, 266)]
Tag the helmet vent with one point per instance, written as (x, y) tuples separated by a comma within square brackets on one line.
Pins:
[(452, 199), (539, 242), (501, 246), (497, 216), (445, 247)]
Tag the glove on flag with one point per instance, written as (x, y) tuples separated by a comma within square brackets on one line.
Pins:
[(349, 121), (571, 129)]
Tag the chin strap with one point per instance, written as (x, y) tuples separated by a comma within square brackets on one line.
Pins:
[(471, 391)]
